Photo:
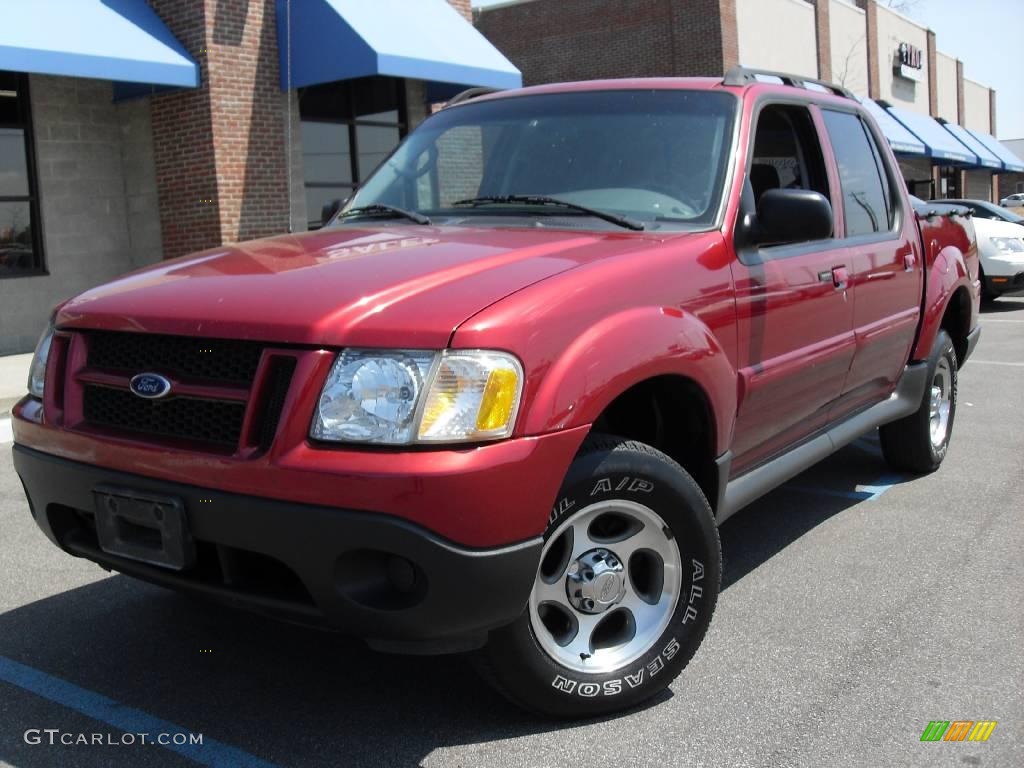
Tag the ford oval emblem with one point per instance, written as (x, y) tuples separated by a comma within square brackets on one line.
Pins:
[(150, 386)]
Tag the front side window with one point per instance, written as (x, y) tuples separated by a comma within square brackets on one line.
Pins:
[(21, 250), (786, 152), (656, 156), (866, 201)]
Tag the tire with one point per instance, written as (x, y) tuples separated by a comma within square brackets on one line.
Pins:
[(591, 643), (918, 443)]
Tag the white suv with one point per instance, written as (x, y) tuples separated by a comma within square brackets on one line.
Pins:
[(1001, 247), (1013, 201)]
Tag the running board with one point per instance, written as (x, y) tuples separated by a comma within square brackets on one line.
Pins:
[(748, 487)]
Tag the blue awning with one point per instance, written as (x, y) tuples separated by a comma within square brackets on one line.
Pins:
[(985, 156), (121, 40), (940, 143), (1009, 160), (425, 40), (900, 139)]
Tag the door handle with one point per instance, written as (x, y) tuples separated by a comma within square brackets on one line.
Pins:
[(909, 260), (840, 277)]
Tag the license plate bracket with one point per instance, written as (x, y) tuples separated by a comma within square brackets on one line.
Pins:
[(143, 526)]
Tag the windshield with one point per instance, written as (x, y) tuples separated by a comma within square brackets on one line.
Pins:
[(655, 156), (1005, 215)]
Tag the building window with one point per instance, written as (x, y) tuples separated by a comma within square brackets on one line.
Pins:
[(348, 128), (949, 182), (21, 250)]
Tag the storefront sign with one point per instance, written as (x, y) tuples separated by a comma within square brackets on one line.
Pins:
[(909, 62)]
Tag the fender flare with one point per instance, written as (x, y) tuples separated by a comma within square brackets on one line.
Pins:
[(946, 274), (624, 349)]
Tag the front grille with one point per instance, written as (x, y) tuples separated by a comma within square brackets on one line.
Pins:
[(217, 422), (184, 357), (280, 379)]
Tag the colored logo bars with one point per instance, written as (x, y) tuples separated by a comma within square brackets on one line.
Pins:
[(958, 730)]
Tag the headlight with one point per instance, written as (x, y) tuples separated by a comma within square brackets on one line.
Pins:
[(1008, 244), (400, 397), (37, 371), (473, 396)]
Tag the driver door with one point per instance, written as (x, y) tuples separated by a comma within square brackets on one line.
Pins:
[(794, 309)]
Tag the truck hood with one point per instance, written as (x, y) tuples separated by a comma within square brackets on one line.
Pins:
[(400, 285)]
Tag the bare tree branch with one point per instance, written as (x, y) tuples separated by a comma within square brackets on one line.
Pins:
[(845, 77)]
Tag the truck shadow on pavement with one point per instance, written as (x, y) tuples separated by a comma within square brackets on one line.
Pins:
[(296, 696), (1013, 302)]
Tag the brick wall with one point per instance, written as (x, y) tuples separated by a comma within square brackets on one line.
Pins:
[(564, 40), (1009, 184), (464, 7), (183, 146), (960, 110), (870, 8), (248, 119), (706, 38), (992, 122), (933, 76), (220, 149), (823, 33)]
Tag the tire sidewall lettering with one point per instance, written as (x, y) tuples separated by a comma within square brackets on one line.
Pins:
[(648, 669)]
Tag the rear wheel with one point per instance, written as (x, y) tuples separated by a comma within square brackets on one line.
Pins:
[(918, 443), (627, 583)]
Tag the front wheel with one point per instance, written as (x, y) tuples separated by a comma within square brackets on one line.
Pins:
[(628, 580), (987, 296), (918, 443)]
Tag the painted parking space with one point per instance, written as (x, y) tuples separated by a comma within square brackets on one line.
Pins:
[(143, 727)]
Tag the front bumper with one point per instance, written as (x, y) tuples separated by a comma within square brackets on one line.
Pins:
[(997, 284), (479, 497), (972, 343), (386, 579)]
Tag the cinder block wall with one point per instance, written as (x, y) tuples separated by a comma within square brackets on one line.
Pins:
[(97, 195)]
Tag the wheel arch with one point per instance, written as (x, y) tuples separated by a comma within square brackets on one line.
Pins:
[(655, 375), (950, 304), (674, 415)]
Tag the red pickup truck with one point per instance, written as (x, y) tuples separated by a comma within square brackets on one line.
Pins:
[(502, 400)]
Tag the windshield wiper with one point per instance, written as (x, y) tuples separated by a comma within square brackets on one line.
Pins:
[(393, 211), (613, 218)]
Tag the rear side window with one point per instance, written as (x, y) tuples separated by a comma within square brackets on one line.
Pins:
[(866, 199)]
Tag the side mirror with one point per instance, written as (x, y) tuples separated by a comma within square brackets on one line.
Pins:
[(328, 211), (793, 216)]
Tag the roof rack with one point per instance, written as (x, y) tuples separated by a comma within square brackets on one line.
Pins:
[(746, 75), (469, 93)]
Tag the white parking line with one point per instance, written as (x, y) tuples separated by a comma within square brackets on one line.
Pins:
[(972, 361), (999, 320), (6, 435)]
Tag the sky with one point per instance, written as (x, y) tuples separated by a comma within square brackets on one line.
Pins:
[(988, 36)]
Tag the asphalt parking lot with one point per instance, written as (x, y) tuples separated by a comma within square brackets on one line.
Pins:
[(858, 605)]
